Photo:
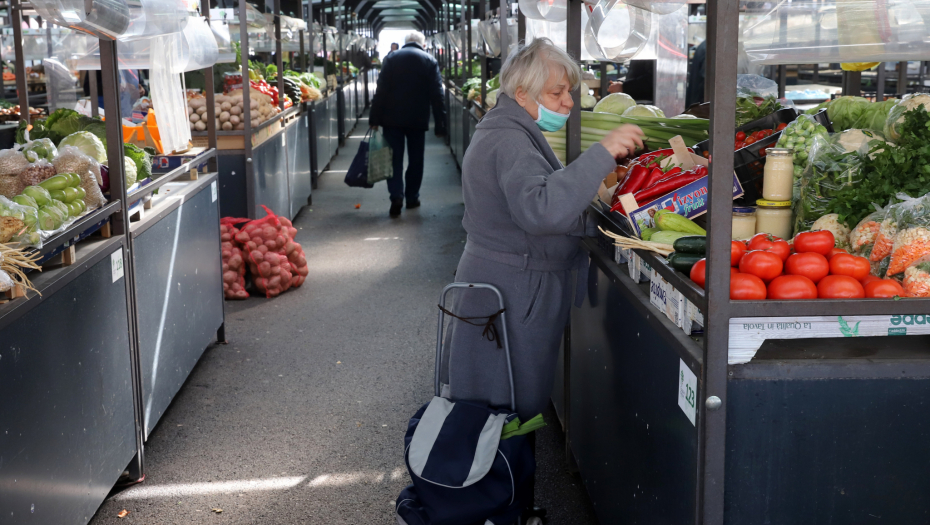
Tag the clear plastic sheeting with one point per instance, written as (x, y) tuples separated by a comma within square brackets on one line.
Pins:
[(658, 7), (491, 33), (616, 31), (102, 18), (548, 10), (555, 32), (199, 49), (226, 53), (455, 39), (839, 31), (154, 17), (168, 100)]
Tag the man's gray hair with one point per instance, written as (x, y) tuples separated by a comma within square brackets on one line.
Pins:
[(415, 37), (529, 68)]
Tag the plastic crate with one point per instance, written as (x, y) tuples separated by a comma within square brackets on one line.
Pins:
[(747, 163)]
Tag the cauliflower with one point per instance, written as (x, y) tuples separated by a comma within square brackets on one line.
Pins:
[(831, 223), (896, 115), (860, 140)]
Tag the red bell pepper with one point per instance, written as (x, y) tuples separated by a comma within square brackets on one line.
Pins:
[(668, 185), (634, 181)]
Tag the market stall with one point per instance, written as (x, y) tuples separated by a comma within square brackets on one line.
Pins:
[(695, 391)]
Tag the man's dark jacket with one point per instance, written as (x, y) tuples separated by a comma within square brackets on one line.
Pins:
[(408, 85)]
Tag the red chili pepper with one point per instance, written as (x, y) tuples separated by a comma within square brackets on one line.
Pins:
[(655, 175), (668, 185), (635, 181)]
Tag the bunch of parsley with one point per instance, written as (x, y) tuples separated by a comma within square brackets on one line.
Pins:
[(889, 170)]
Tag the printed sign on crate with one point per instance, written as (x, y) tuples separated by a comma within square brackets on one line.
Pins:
[(748, 334)]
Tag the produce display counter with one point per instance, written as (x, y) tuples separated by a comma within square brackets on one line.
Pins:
[(324, 134), (66, 379), (460, 124), (248, 183), (179, 283), (631, 380)]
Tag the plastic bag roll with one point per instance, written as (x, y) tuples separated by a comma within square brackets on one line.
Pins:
[(154, 17), (550, 10), (198, 45), (616, 31)]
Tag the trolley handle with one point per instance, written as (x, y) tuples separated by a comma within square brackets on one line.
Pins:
[(503, 316)]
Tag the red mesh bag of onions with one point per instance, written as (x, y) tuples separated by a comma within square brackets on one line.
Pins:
[(233, 261)]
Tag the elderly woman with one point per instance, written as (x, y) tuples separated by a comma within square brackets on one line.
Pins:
[(524, 214)]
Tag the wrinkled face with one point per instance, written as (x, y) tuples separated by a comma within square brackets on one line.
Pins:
[(556, 95)]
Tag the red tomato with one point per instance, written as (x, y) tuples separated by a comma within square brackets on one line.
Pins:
[(733, 271), (839, 287), (744, 286), (835, 251), (764, 265), (740, 136), (750, 140), (820, 241), (697, 272), (737, 249), (770, 243), (846, 264), (781, 126), (811, 265), (883, 288), (867, 279), (738, 145), (792, 287), (763, 151)]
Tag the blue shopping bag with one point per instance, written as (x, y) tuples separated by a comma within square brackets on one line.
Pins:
[(357, 176)]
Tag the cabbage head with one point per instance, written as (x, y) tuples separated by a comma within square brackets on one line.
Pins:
[(131, 173), (588, 101), (845, 112), (643, 111), (88, 143), (615, 103), (492, 97)]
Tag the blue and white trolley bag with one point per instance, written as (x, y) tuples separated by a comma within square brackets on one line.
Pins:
[(463, 472)]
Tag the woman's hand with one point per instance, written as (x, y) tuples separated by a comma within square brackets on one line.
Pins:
[(624, 140)]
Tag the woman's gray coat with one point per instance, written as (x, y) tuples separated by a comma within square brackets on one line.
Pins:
[(524, 214)]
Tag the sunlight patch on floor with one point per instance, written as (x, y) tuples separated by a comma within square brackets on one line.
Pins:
[(201, 489)]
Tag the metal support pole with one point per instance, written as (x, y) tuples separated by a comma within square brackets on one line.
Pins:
[(604, 83), (573, 47), (880, 83), (246, 104), (521, 26), (279, 58), (483, 59), (782, 80), (21, 85), (852, 83), (902, 78), (109, 74), (504, 6), (722, 36)]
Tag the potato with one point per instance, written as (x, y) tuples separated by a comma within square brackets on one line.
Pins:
[(224, 116), (235, 110), (201, 110), (190, 110), (226, 106), (240, 126), (234, 120), (227, 126), (255, 122), (194, 117), (200, 126)]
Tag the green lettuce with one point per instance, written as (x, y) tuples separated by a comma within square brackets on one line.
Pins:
[(141, 158)]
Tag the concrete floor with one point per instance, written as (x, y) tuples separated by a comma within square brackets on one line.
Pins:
[(301, 417)]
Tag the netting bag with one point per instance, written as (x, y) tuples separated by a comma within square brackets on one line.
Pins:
[(233, 261), (380, 158), (276, 262)]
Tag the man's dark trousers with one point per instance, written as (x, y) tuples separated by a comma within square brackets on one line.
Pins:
[(416, 144)]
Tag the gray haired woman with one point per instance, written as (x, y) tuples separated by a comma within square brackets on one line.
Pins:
[(524, 214)]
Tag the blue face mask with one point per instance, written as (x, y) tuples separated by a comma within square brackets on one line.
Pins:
[(549, 120)]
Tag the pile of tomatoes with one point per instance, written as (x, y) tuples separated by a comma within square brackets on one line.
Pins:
[(743, 140), (811, 267)]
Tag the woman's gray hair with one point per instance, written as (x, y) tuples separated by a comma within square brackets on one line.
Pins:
[(529, 68), (415, 37)]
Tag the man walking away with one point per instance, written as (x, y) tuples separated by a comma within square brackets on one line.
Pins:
[(408, 85), (394, 47)]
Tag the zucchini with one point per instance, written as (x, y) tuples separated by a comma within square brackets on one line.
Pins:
[(677, 223), (664, 237), (683, 261), (696, 244), (647, 233)]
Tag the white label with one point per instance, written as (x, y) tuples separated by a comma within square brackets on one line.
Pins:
[(633, 266), (658, 292), (116, 264), (748, 334), (687, 390), (213, 190)]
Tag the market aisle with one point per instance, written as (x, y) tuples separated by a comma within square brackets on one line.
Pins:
[(300, 419)]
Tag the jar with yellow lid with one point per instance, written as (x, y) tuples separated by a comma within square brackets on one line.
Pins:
[(774, 218)]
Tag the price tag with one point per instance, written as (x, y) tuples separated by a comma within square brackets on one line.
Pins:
[(213, 190), (116, 264), (687, 390)]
